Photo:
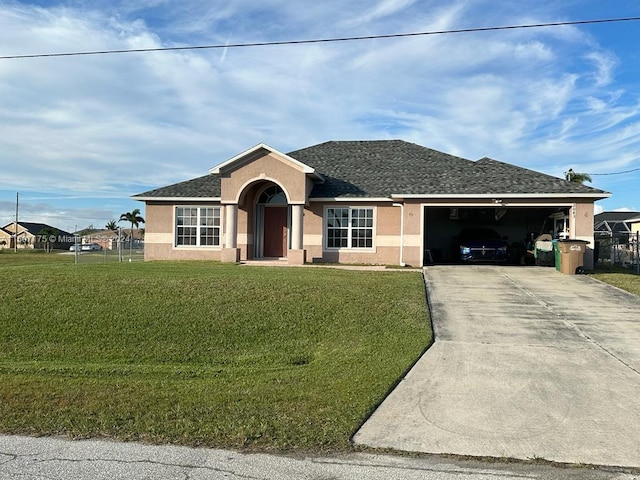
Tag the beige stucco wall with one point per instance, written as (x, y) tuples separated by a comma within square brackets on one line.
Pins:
[(160, 236), (268, 167), (386, 239), (412, 245), (581, 222), (163, 251), (584, 220), (158, 218), (25, 239), (5, 240)]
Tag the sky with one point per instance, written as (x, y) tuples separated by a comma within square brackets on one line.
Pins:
[(80, 134)]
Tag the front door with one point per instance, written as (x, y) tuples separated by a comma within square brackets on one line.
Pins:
[(275, 232)]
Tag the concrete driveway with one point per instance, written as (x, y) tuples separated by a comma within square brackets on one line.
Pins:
[(527, 363)]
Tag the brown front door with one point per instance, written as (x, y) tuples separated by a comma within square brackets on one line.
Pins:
[(275, 232)]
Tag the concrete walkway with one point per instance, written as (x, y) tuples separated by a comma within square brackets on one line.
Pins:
[(527, 363)]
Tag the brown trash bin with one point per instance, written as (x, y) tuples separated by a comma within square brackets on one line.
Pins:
[(571, 255)]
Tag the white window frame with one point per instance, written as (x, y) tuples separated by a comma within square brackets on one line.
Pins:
[(350, 228), (198, 226)]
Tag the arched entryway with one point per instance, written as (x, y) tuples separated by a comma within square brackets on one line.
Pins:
[(272, 223)]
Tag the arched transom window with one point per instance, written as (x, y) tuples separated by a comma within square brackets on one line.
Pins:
[(272, 195)]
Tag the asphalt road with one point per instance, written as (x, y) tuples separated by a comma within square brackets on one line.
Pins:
[(26, 458)]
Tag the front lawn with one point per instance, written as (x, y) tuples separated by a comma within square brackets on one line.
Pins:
[(8, 257), (624, 278), (203, 353)]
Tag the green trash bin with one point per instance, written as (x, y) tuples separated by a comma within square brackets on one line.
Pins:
[(556, 253)]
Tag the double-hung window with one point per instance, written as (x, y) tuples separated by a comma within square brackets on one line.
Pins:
[(349, 227), (198, 226)]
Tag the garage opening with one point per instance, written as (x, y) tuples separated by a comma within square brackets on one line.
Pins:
[(518, 226)]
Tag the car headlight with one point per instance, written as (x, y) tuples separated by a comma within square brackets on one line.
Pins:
[(465, 250)]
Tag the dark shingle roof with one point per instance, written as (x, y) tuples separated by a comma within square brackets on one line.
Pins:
[(383, 168), (205, 186), (614, 222), (35, 228), (615, 216), (387, 167)]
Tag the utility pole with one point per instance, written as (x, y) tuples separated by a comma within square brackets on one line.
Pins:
[(15, 229), (76, 248), (120, 244)]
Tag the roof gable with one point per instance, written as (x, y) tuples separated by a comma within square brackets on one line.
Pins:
[(34, 228), (254, 153)]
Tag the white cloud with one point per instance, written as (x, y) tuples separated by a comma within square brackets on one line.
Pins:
[(384, 8), (604, 63)]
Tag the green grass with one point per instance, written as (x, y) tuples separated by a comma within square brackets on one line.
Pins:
[(39, 257), (624, 278), (199, 353), (8, 257)]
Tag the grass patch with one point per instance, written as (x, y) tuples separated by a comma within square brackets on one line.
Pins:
[(624, 278), (9, 257), (203, 353), (40, 257)]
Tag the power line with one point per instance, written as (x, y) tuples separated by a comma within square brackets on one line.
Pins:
[(616, 173), (571, 172), (322, 40)]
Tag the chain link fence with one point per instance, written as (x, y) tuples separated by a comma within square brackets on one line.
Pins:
[(123, 252), (622, 251)]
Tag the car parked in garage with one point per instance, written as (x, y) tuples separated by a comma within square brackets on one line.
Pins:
[(482, 245)]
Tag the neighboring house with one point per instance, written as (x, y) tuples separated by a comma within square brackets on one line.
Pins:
[(32, 235), (6, 239), (373, 202), (615, 236), (634, 226), (132, 238), (614, 224), (108, 239), (634, 238)]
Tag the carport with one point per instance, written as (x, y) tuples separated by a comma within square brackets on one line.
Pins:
[(517, 220)]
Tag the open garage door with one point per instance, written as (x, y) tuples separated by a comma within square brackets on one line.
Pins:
[(517, 225)]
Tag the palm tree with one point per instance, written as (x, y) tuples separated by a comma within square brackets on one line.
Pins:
[(112, 225), (47, 237), (577, 177), (135, 219)]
